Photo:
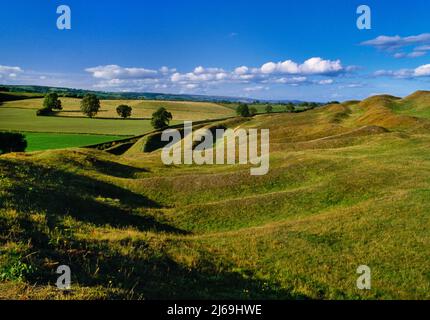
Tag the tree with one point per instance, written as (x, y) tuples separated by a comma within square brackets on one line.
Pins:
[(58, 105), (252, 111), (161, 118), (269, 108), (124, 111), (243, 110), (12, 142), (90, 105), (51, 101)]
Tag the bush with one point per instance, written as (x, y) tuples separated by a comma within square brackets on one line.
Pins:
[(269, 109), (252, 111), (12, 142), (13, 269), (124, 111), (161, 118)]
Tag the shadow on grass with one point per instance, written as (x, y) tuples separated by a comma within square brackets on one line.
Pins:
[(105, 167), (134, 268), (142, 273), (118, 170), (59, 193)]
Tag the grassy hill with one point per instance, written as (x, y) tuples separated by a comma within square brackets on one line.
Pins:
[(348, 185)]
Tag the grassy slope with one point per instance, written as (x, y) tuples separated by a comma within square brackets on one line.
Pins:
[(342, 191), (417, 104)]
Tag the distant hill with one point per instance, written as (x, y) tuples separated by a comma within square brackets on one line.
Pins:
[(76, 93)]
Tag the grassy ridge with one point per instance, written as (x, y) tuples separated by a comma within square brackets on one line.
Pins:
[(349, 185)]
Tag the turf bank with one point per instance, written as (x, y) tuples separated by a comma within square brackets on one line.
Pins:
[(225, 147)]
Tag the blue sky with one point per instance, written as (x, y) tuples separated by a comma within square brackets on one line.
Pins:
[(307, 49)]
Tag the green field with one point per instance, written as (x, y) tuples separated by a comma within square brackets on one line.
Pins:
[(48, 141), (26, 120), (349, 185)]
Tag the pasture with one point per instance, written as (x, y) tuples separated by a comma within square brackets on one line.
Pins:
[(25, 120)]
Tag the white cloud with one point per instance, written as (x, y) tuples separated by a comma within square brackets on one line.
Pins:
[(326, 81), (401, 74), (312, 66), (255, 88), (116, 72), (395, 42), (287, 72), (166, 70), (420, 44), (10, 72), (241, 70), (422, 71), (291, 80), (413, 54)]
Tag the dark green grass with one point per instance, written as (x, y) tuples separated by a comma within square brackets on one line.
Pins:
[(49, 141)]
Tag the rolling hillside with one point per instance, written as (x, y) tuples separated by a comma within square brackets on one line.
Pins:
[(349, 185)]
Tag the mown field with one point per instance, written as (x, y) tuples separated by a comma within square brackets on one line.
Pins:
[(348, 185)]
